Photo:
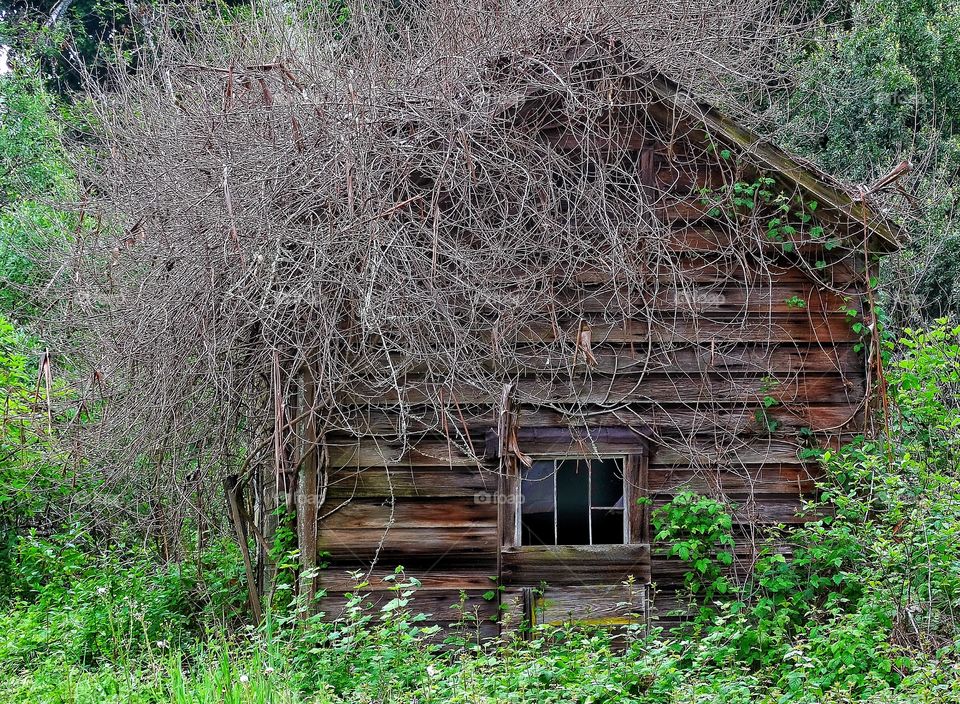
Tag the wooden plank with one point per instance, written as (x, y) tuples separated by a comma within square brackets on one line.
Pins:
[(374, 452), (766, 328), (507, 491), (710, 421), (720, 297), (440, 606), (794, 480), (724, 453), (722, 356), (636, 488), (677, 420), (782, 357), (732, 453), (476, 576), (575, 565), (402, 544), (600, 605), (693, 388), (751, 268), (564, 440), (450, 512), (788, 510), (410, 482)]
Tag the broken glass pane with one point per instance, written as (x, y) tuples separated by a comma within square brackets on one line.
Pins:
[(537, 504), (573, 502), (607, 483), (607, 526)]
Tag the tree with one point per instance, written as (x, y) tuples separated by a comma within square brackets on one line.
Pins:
[(77, 37), (34, 179), (877, 85)]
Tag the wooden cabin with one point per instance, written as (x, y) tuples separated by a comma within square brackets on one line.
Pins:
[(749, 347)]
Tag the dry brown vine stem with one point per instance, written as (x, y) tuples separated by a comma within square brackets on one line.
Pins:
[(361, 194)]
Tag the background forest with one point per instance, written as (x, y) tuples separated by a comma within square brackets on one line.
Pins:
[(96, 607)]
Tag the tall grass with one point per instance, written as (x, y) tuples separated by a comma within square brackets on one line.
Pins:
[(864, 610)]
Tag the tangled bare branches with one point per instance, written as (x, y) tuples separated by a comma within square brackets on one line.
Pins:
[(412, 206)]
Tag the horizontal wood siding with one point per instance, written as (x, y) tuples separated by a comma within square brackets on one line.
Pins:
[(605, 605), (725, 373), (576, 565), (468, 610)]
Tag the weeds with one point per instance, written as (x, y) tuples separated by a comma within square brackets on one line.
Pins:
[(859, 605)]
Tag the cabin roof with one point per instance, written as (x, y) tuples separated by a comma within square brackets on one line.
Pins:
[(851, 203), (830, 191)]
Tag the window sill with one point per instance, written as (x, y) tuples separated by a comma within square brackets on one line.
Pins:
[(575, 564), (560, 551)]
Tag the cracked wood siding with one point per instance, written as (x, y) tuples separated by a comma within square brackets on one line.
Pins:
[(431, 508), (696, 372)]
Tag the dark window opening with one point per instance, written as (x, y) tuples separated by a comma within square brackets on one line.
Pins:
[(572, 502)]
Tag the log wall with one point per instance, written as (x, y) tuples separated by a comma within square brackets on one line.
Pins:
[(432, 508), (730, 376)]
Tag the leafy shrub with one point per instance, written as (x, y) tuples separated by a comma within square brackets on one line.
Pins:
[(864, 598), (27, 479), (33, 172), (858, 605), (698, 530)]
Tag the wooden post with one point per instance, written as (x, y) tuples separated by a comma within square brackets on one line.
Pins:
[(234, 493), (310, 493)]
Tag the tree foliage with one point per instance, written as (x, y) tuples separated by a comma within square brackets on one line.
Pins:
[(877, 84), (34, 182)]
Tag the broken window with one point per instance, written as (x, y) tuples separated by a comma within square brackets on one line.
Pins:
[(572, 502)]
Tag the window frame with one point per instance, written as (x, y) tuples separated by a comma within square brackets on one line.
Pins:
[(625, 511), (629, 443)]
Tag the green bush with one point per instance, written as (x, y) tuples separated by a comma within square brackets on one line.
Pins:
[(863, 599), (34, 180), (856, 606)]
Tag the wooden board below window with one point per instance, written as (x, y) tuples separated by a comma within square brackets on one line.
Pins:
[(597, 605), (575, 565)]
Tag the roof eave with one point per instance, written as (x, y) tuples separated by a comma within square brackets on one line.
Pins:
[(885, 236)]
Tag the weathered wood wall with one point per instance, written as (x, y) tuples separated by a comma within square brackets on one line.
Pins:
[(433, 509), (698, 364)]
